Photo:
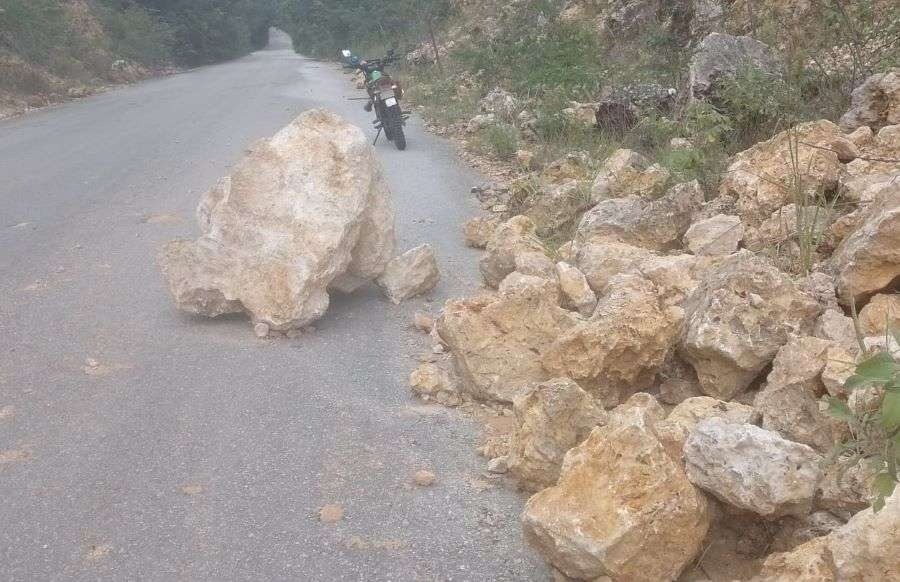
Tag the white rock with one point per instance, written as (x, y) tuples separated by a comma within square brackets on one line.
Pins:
[(575, 288), (303, 212), (752, 468), (716, 236), (410, 274)]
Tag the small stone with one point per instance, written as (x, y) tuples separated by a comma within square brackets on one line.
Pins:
[(424, 478), (331, 513), (261, 330), (423, 322), (498, 465)]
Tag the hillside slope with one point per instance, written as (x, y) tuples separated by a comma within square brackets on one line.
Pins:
[(51, 50)]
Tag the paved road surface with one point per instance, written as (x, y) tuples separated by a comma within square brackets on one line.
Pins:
[(193, 451)]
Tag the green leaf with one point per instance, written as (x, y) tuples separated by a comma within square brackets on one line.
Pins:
[(890, 410), (882, 488), (838, 409), (878, 369)]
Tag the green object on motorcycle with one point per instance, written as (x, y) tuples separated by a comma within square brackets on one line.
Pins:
[(376, 75)]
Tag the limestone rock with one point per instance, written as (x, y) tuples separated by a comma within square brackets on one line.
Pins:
[(761, 177), (622, 508), (555, 206), (501, 103), (675, 429), (578, 294), (868, 260), (835, 326), (410, 274), (628, 173), (840, 364), (881, 313), (535, 264), (479, 230), (304, 212), (796, 531), (752, 468), (736, 321), (600, 262), (623, 345), (434, 382), (865, 548), (551, 418), (657, 225), (875, 103), (496, 341), (514, 236), (720, 56), (716, 236), (844, 489)]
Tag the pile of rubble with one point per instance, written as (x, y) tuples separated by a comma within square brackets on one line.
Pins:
[(670, 365)]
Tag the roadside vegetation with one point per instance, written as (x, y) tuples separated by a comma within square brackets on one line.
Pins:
[(51, 49)]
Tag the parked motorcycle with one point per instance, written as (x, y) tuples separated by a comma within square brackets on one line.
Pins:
[(385, 95)]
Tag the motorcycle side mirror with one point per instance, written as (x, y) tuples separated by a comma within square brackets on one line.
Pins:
[(346, 54)]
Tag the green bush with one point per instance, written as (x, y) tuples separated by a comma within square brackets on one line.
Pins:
[(875, 430), (136, 35), (500, 140)]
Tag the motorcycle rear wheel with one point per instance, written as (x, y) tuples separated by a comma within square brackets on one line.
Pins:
[(397, 127)]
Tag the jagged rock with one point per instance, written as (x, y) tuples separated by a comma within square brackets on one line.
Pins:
[(675, 276), (720, 56), (628, 173), (434, 382), (881, 313), (677, 381), (410, 274), (719, 235), (865, 548), (791, 403), (501, 103), (303, 212), (796, 531), (675, 429), (784, 225), (622, 508), (875, 103), (761, 177), (478, 231), (835, 326), (556, 205), (844, 489), (656, 225), (623, 345), (552, 418), (517, 282), (575, 165), (496, 341), (820, 286), (752, 468), (575, 288), (602, 262), (840, 364), (620, 108), (737, 319), (868, 260), (536, 264), (513, 237)]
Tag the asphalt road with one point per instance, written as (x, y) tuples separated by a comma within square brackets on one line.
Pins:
[(138, 443)]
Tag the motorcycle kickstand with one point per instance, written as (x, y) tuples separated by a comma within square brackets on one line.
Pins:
[(377, 136)]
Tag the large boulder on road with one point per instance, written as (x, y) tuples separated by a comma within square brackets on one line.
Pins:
[(302, 213)]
